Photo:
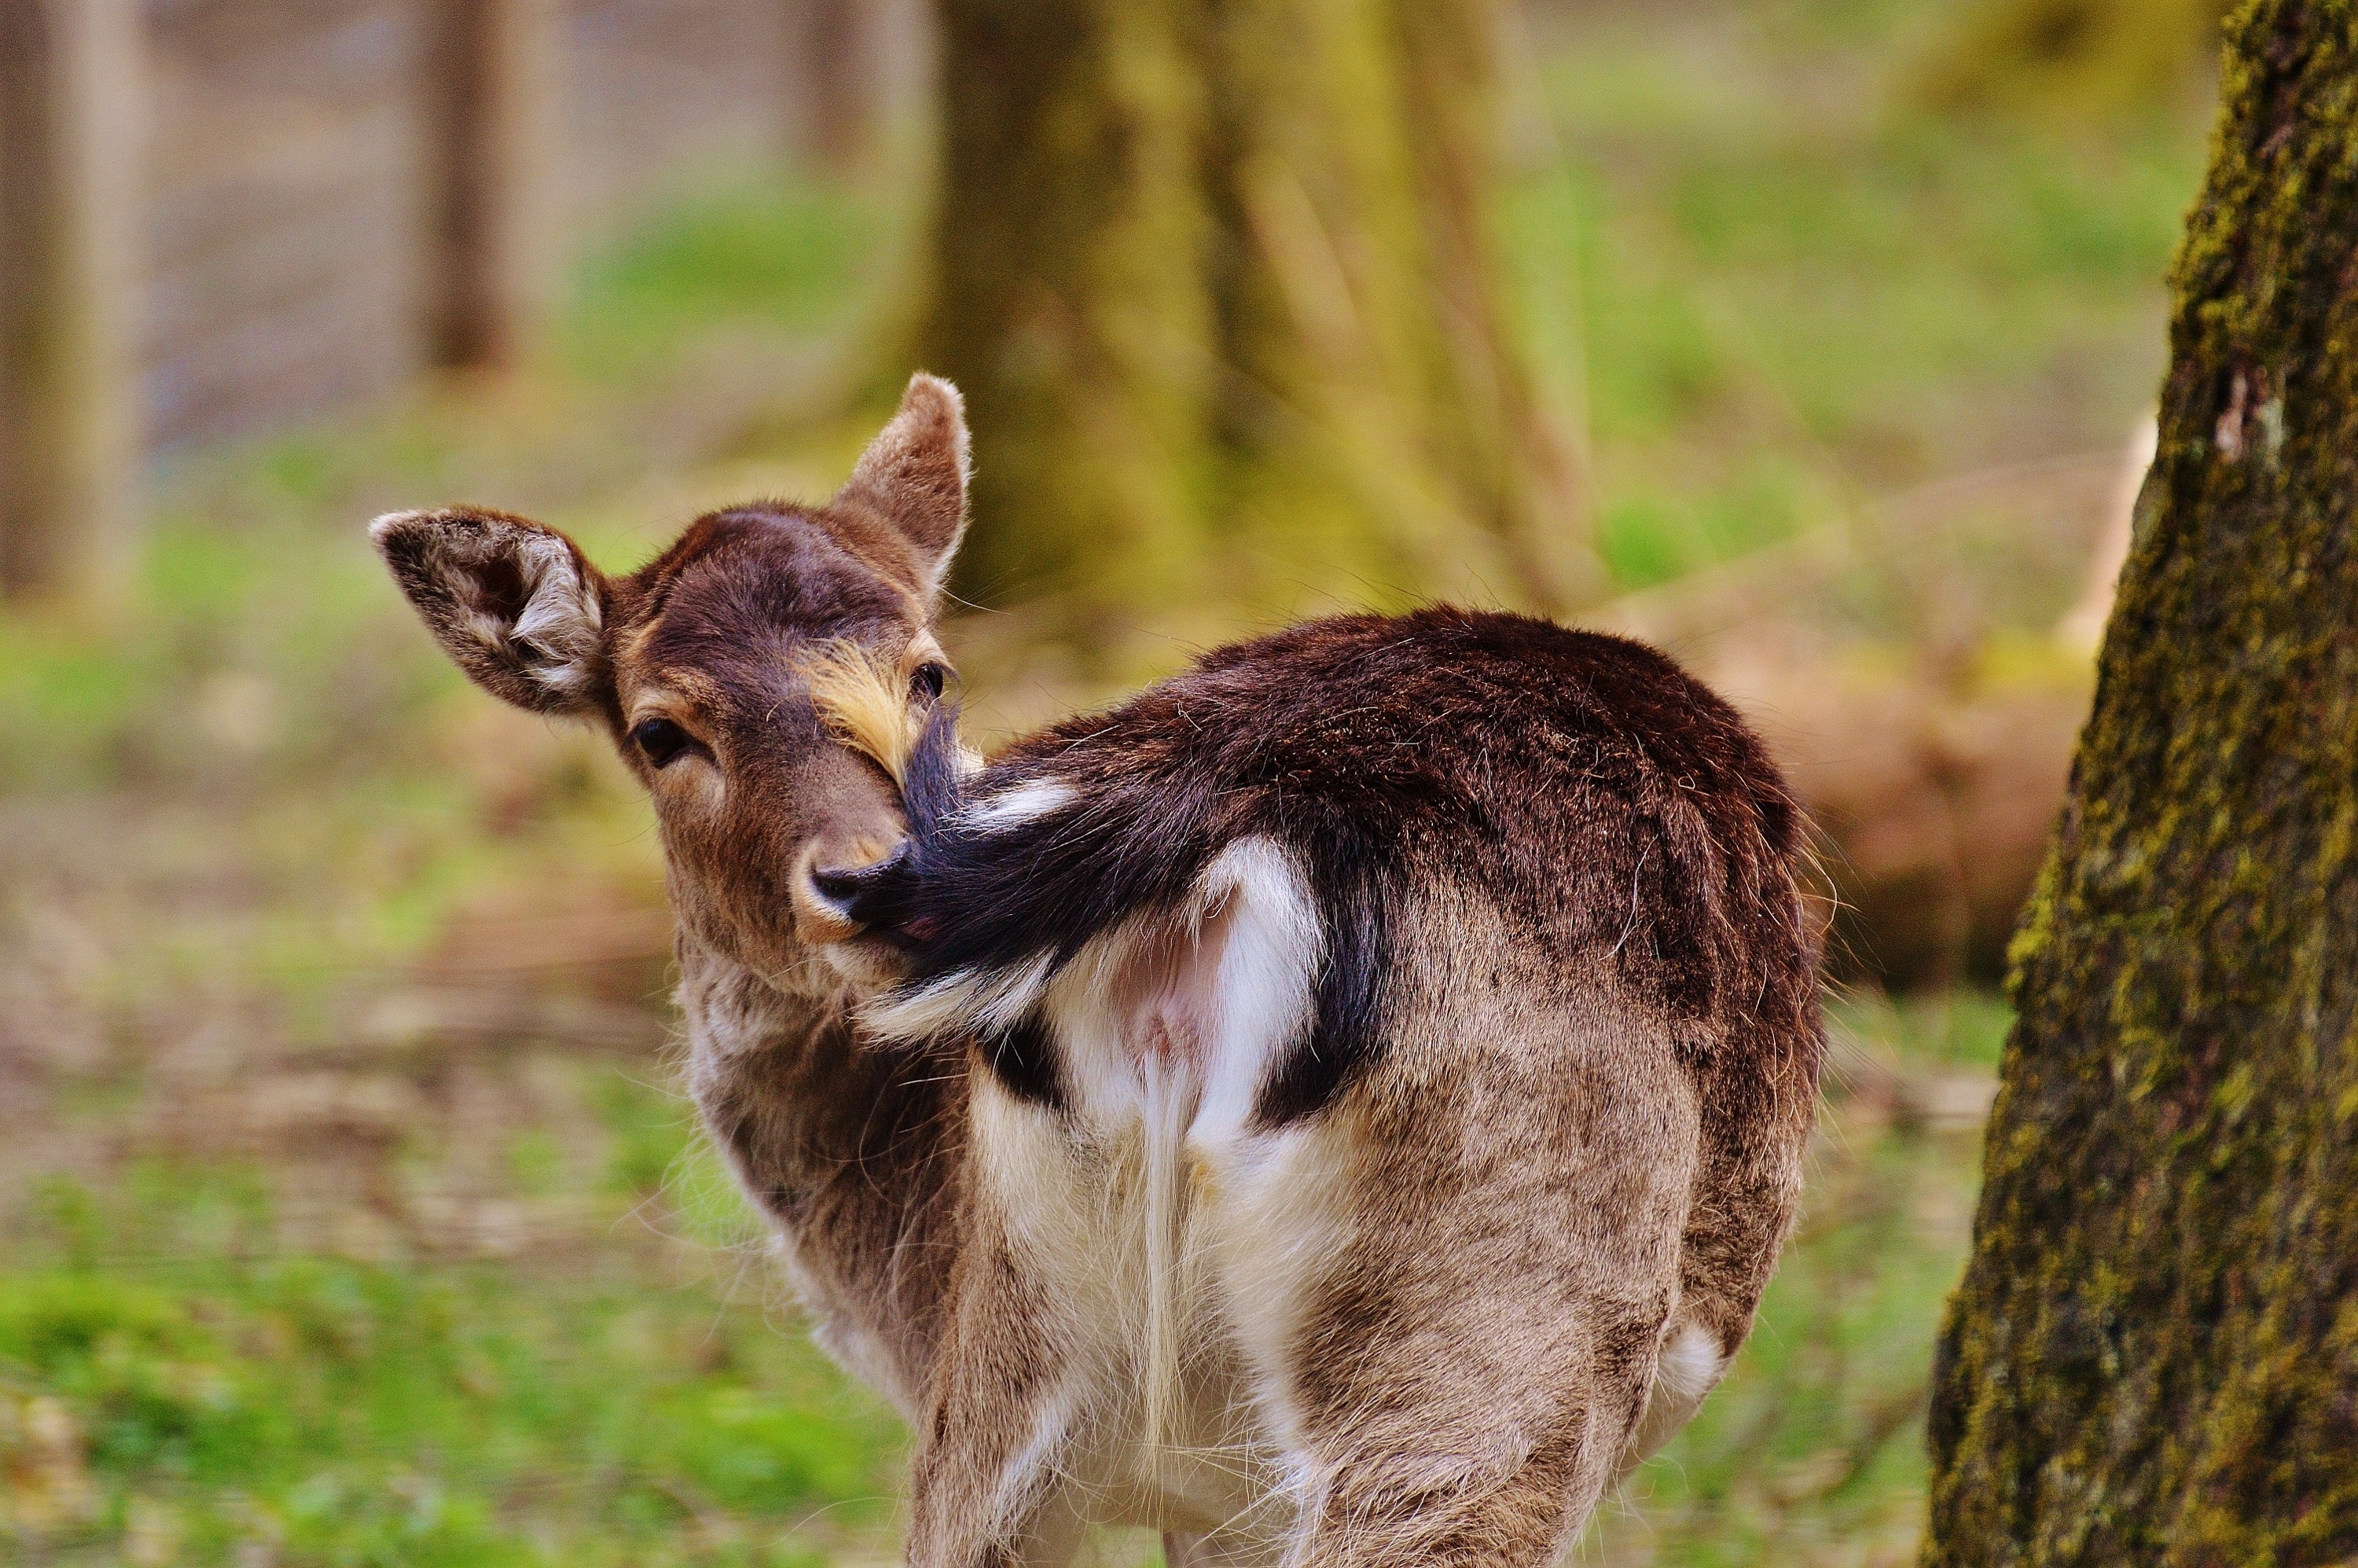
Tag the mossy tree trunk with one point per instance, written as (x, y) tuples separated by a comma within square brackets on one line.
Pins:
[(2154, 1356), (1218, 279)]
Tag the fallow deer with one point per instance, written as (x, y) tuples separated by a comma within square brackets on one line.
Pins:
[(1341, 1106)]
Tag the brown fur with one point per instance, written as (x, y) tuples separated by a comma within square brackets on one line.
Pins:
[(1348, 1100)]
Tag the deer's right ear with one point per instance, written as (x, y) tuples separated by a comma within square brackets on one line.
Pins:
[(512, 602)]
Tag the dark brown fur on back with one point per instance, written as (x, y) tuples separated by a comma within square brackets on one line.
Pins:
[(1599, 796)]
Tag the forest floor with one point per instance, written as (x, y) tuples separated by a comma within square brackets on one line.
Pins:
[(348, 1212)]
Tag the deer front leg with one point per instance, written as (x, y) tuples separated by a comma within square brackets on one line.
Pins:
[(989, 1481)]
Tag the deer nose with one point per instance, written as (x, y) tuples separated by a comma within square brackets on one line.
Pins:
[(828, 890), (843, 886)]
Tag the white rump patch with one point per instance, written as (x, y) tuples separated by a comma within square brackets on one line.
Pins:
[(1200, 998), (1164, 1029), (1171, 1232), (1193, 1001), (1260, 1000)]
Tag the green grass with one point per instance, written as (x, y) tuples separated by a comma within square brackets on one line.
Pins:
[(1792, 290), (639, 1402), (344, 1412), (758, 254), (648, 1401)]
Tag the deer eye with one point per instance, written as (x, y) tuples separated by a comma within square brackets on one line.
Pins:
[(660, 741), (928, 681)]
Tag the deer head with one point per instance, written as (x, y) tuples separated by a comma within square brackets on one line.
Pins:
[(765, 678)]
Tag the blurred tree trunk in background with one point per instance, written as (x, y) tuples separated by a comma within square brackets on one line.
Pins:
[(72, 91), (1218, 279), (2084, 56), (490, 78), (836, 69), (2153, 1355)]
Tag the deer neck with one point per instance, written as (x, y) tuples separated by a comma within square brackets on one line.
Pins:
[(854, 1151)]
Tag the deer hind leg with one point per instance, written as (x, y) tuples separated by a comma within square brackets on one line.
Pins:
[(1460, 1388), (1501, 1471), (1459, 1381), (1754, 1128)]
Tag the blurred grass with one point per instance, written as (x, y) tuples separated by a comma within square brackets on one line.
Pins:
[(1797, 288), (290, 1276), (750, 253)]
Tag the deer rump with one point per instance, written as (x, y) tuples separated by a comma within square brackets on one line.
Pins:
[(1361, 992)]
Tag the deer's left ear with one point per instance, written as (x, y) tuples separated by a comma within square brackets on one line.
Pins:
[(514, 602), (913, 474)]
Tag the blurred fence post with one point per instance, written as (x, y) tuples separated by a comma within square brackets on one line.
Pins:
[(835, 75), (490, 95), (73, 90)]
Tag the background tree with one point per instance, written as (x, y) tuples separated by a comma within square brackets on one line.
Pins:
[(70, 144), (1218, 278), (2083, 55), (2153, 1355)]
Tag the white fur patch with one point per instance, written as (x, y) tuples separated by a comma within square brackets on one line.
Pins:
[(1020, 1481), (1165, 1028), (1026, 802), (1276, 1225), (561, 616), (1260, 998), (1169, 1231), (988, 1000), (1689, 1367), (1691, 1363), (1206, 995), (1196, 1000)]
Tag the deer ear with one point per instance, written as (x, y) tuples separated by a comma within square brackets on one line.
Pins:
[(913, 474), (514, 602)]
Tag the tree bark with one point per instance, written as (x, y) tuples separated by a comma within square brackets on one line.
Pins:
[(1218, 280), (2154, 1356)]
